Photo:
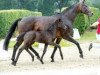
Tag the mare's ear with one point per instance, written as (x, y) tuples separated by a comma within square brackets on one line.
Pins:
[(81, 1)]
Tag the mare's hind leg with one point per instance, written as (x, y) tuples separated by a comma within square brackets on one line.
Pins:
[(55, 49), (57, 46), (30, 54), (44, 51), (69, 38), (19, 52), (18, 43)]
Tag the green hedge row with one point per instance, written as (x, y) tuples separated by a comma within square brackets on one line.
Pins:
[(82, 22), (7, 17)]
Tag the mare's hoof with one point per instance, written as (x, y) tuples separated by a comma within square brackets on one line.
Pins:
[(62, 58), (81, 56), (90, 46), (13, 63)]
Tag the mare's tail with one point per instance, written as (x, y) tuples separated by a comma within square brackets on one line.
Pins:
[(10, 33)]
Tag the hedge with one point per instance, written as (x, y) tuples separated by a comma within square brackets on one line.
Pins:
[(7, 17), (82, 22)]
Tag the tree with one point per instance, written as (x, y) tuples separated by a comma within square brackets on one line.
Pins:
[(47, 7), (96, 3)]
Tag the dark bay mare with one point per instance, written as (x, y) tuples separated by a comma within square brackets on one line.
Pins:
[(42, 23), (46, 36)]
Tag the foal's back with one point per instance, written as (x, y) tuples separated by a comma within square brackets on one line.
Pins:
[(36, 36)]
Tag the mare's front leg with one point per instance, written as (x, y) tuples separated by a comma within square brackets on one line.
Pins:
[(69, 38), (44, 51), (55, 49)]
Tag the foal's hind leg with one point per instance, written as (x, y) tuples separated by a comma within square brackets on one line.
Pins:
[(69, 38), (55, 49)]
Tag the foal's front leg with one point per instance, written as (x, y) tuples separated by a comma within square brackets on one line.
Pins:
[(35, 52), (56, 45), (44, 51), (55, 49), (30, 54)]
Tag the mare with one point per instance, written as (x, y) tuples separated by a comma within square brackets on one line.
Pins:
[(42, 23), (47, 36)]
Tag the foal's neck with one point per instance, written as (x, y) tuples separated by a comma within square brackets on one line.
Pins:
[(52, 29)]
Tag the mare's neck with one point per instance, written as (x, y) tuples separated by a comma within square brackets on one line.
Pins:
[(71, 12)]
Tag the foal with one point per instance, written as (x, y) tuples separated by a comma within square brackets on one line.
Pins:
[(46, 37)]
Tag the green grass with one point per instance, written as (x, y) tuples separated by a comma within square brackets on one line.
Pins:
[(12, 43), (86, 37)]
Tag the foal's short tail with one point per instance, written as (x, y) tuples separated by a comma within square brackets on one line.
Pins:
[(10, 33)]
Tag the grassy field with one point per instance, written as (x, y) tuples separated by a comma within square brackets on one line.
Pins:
[(86, 37)]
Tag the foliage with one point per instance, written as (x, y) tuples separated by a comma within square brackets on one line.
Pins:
[(96, 3), (7, 17), (82, 22), (47, 7)]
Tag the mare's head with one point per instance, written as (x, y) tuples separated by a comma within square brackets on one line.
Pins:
[(83, 8)]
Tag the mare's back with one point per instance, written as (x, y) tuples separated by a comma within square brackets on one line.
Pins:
[(33, 19)]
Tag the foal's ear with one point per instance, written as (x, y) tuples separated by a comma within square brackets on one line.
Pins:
[(58, 20), (81, 1)]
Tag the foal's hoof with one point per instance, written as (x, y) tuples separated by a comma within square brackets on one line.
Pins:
[(32, 59), (52, 60), (81, 56), (38, 58), (13, 63), (12, 59), (41, 61)]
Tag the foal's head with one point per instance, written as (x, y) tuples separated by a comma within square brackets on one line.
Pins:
[(57, 24), (83, 8)]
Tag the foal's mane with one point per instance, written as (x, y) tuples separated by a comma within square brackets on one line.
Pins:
[(51, 27)]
